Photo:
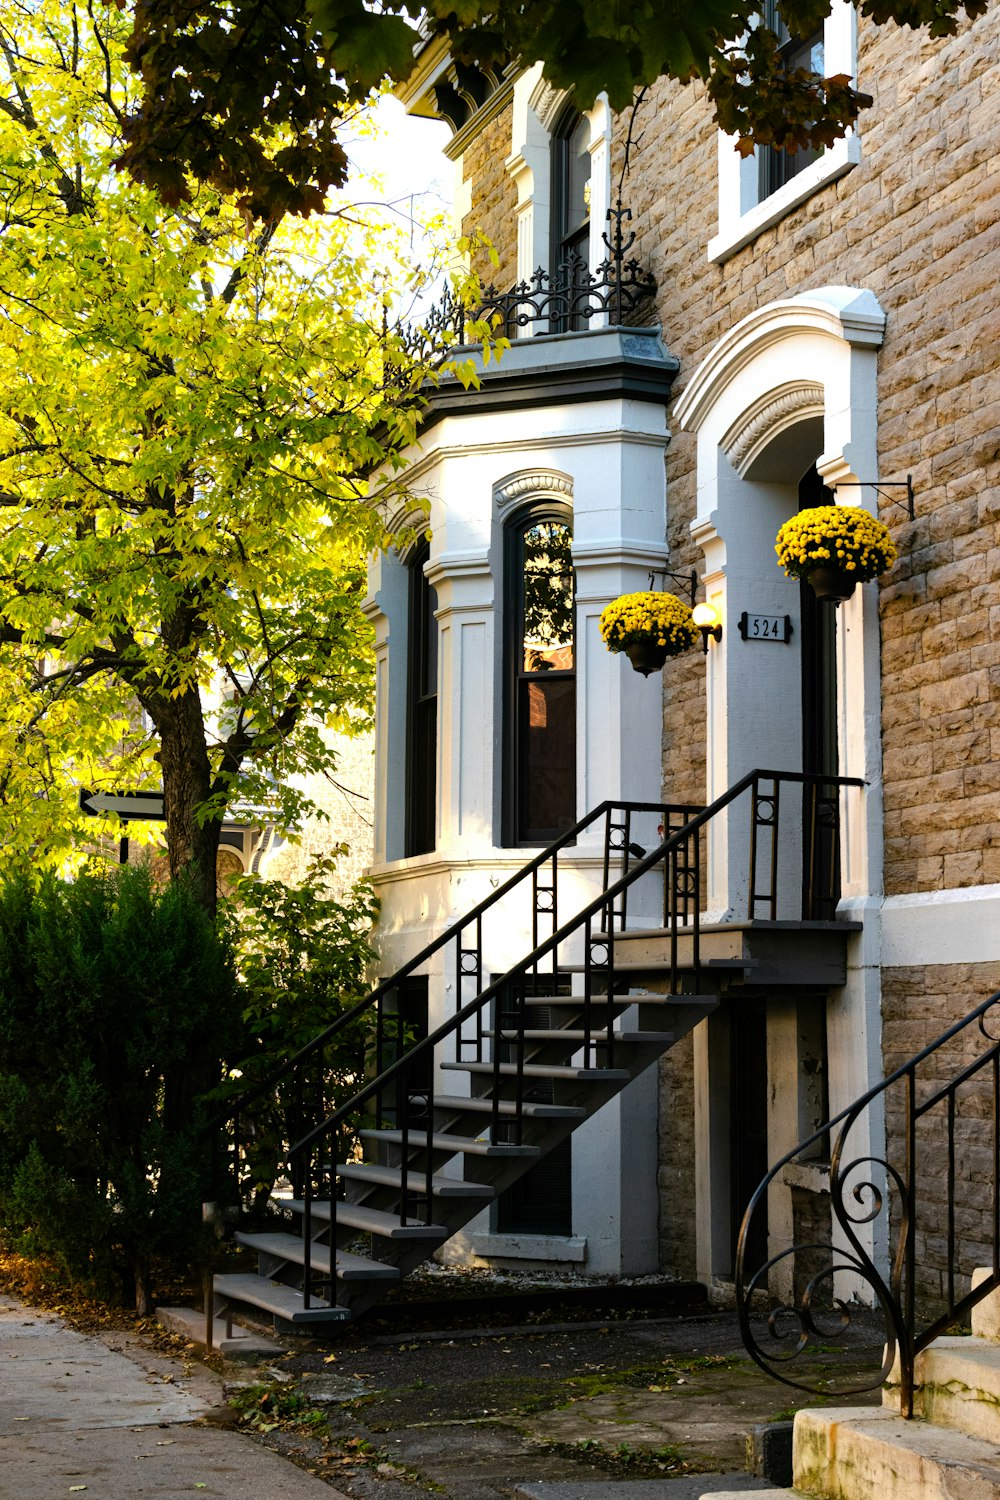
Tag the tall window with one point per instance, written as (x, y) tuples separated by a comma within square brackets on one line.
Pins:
[(540, 763), (421, 712), (775, 167), (571, 209)]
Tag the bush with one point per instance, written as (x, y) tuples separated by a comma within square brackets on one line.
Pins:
[(117, 1001), (304, 958)]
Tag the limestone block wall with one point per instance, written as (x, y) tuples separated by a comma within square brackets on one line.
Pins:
[(918, 222), (493, 209), (918, 1004), (676, 1170)]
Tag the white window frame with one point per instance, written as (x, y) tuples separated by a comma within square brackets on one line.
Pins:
[(742, 216)]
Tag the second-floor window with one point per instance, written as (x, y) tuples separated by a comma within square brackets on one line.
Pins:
[(776, 167), (570, 237)]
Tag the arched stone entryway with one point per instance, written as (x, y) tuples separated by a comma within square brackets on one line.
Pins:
[(791, 385)]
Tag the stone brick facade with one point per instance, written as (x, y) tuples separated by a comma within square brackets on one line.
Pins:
[(917, 223), (494, 201), (916, 1004)]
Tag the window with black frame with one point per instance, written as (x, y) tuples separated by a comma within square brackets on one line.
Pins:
[(571, 216), (421, 712), (540, 760), (776, 167)]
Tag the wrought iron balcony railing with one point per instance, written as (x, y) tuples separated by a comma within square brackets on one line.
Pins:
[(567, 299)]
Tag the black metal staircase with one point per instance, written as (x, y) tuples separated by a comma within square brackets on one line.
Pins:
[(447, 1122)]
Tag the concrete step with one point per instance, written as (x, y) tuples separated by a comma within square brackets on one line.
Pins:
[(865, 1453), (542, 1070), (450, 1145), (373, 1221), (579, 1038), (284, 1303), (449, 1104), (372, 1175), (291, 1248), (956, 1385)]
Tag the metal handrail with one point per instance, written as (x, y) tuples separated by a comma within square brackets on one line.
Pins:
[(455, 930), (862, 1189), (596, 923)]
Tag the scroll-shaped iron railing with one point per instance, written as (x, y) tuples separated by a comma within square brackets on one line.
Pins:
[(489, 1028), (566, 299), (910, 1222)]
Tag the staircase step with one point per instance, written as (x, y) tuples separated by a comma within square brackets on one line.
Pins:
[(452, 1144), (542, 1070), (957, 1385), (865, 1453), (441, 1187), (597, 1036), (448, 1103), (373, 1221), (292, 1248), (577, 1002), (281, 1301)]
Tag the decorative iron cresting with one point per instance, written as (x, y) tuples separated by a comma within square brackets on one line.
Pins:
[(947, 1131), (565, 299)]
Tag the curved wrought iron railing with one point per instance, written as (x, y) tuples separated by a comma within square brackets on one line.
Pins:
[(489, 1028), (907, 1225), (567, 298)]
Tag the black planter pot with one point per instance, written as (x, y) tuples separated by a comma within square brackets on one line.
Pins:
[(833, 584), (646, 657)]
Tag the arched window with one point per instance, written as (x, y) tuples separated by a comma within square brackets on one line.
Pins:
[(540, 716), (421, 711)]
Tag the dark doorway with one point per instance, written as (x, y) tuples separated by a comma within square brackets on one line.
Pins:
[(748, 1133), (818, 643)]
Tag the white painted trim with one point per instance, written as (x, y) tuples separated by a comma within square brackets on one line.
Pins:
[(960, 926), (741, 215), (837, 160)]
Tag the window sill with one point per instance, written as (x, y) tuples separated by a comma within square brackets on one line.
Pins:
[(839, 159)]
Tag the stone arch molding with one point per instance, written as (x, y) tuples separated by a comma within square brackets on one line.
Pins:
[(767, 418), (808, 356), (531, 485)]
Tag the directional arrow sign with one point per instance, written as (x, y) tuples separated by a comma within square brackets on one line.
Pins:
[(127, 805)]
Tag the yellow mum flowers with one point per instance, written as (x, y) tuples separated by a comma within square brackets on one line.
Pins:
[(657, 619), (835, 536)]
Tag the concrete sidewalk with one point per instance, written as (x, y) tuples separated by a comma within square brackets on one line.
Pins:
[(78, 1416)]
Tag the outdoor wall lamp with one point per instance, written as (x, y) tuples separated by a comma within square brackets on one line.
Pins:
[(706, 617)]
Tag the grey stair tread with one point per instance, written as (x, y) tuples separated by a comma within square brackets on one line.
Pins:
[(645, 966), (542, 1070), (580, 1000), (373, 1221), (441, 1141), (292, 1247), (282, 1301), (598, 1037), (441, 1187), (457, 1103)]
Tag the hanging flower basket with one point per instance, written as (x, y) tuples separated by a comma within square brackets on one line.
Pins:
[(835, 547), (648, 628)]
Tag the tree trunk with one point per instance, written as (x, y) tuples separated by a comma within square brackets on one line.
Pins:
[(191, 846)]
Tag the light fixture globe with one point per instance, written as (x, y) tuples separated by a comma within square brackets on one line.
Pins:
[(706, 617)]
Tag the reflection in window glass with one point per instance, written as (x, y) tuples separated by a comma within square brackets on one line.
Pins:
[(547, 616), (540, 786)]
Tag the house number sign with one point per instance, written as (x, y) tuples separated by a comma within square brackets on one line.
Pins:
[(765, 627)]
